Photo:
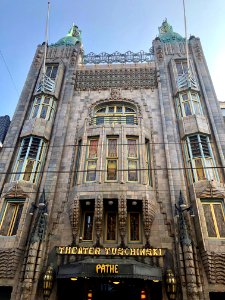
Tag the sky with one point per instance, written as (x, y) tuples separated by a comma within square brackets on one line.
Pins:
[(107, 26)]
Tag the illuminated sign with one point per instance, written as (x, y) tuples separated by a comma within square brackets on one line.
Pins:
[(107, 268), (110, 251)]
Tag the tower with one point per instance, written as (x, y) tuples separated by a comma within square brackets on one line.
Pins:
[(102, 153)]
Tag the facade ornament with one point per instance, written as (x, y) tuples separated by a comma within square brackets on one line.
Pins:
[(122, 212), (167, 35), (72, 38), (74, 212), (171, 284), (159, 53), (149, 211), (115, 94), (98, 218), (48, 281)]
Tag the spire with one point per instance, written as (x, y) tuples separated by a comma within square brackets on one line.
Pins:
[(167, 35), (71, 39)]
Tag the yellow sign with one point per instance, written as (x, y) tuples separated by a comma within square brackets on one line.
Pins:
[(107, 268), (110, 251)]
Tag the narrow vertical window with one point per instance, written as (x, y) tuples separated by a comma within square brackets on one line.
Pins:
[(132, 159), (88, 226), (77, 163), (148, 162), (111, 226), (30, 160), (92, 158), (188, 103), (181, 67), (214, 218), (134, 226), (10, 216), (111, 159)]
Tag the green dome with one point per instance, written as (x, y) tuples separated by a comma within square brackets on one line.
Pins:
[(167, 35), (71, 39)]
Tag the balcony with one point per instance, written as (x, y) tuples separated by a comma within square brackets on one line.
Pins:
[(111, 120)]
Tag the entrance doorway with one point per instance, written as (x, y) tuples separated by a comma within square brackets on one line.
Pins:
[(109, 289), (217, 296)]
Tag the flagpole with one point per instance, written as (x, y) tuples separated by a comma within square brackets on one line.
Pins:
[(46, 39), (186, 39)]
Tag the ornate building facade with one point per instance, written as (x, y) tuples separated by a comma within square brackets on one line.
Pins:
[(107, 159)]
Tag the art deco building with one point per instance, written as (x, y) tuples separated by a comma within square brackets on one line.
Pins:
[(107, 159)]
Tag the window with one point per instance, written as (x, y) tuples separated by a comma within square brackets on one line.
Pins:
[(148, 162), (115, 114), (200, 158), (132, 159), (181, 66), (110, 209), (87, 207), (30, 159), (134, 220), (77, 163), (51, 71), (111, 159), (214, 218), (43, 107), (188, 103), (92, 158), (10, 216)]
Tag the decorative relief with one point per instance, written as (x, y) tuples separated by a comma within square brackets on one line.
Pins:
[(15, 191), (209, 189), (198, 51), (126, 78), (74, 218), (9, 259), (117, 57), (38, 57), (159, 53), (98, 218), (214, 264), (148, 217), (122, 212)]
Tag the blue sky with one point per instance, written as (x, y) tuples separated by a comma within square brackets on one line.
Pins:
[(107, 26)]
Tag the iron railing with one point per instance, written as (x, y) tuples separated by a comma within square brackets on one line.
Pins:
[(128, 119)]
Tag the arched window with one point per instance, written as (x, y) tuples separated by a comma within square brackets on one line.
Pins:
[(115, 114)]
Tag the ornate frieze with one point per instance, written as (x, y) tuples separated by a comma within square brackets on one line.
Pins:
[(74, 217), (126, 78), (122, 211), (9, 259), (214, 264), (148, 217), (98, 218), (117, 57)]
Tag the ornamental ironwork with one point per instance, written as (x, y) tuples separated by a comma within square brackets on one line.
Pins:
[(126, 78), (117, 57)]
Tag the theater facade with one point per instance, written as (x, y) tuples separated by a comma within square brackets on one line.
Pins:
[(112, 176)]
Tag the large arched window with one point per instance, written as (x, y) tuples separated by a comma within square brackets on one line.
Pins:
[(115, 113)]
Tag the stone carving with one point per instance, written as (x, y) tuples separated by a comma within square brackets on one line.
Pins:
[(214, 264), (98, 218), (9, 259), (198, 51), (209, 189), (102, 79), (159, 53), (122, 212), (38, 57), (148, 217), (15, 191), (74, 218), (115, 94)]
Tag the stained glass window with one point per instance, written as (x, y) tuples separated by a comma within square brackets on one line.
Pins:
[(188, 103), (10, 216), (134, 223), (132, 159), (112, 159), (44, 107), (30, 159), (214, 218), (92, 159), (200, 158), (111, 226)]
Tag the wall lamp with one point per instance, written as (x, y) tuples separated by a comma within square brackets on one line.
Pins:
[(42, 205)]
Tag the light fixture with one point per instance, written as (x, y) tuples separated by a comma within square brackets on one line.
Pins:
[(32, 209), (110, 202), (134, 203), (42, 202), (155, 280), (116, 282), (88, 203), (73, 278)]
